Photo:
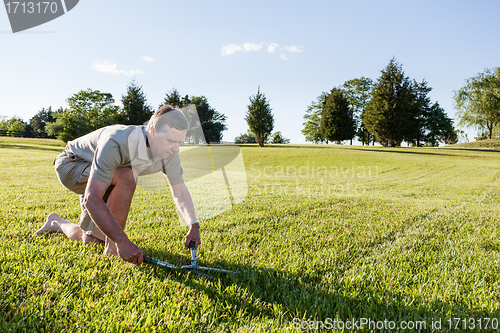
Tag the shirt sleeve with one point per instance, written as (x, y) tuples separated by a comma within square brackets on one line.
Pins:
[(107, 159), (172, 168)]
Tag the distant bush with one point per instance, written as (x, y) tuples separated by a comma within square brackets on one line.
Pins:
[(277, 137), (247, 137)]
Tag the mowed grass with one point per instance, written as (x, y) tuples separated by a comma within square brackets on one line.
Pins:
[(335, 232)]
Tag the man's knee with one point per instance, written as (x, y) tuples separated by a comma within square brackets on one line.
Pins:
[(89, 239)]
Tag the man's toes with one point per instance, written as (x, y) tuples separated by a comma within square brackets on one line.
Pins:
[(41, 231), (47, 227)]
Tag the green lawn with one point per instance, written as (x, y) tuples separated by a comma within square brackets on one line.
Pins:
[(340, 232)]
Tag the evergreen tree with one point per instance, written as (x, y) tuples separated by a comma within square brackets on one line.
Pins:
[(213, 123), (422, 104), (259, 117), (358, 92), (39, 120), (185, 101), (337, 119), (135, 109), (392, 113), (439, 126), (277, 137), (174, 98), (312, 123)]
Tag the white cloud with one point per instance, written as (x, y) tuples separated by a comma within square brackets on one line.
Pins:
[(251, 47), (148, 59), (272, 47), (293, 49), (233, 48), (107, 67), (230, 49)]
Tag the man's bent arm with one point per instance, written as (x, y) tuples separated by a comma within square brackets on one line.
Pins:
[(184, 202), (102, 217)]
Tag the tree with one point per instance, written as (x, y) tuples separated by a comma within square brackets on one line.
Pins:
[(421, 102), (51, 128), (337, 119), (247, 137), (392, 112), (17, 128), (14, 126), (40, 120), (259, 117), (66, 127), (213, 123), (439, 127), (312, 123), (3, 124), (358, 92), (478, 102), (174, 98), (135, 109), (277, 137), (88, 111)]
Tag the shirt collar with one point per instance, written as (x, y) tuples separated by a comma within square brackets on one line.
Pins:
[(143, 151), (138, 150)]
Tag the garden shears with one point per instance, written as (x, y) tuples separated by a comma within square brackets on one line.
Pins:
[(192, 267)]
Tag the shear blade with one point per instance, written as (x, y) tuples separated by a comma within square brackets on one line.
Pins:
[(201, 273)]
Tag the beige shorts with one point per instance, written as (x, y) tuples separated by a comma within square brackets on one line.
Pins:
[(73, 172)]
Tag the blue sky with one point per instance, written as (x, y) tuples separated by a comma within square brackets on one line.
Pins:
[(225, 49)]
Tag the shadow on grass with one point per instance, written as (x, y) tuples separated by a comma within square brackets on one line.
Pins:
[(282, 296), (401, 151), (397, 150), (31, 147), (413, 151), (485, 150), (378, 149)]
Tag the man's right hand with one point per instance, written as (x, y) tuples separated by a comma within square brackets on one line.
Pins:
[(130, 252)]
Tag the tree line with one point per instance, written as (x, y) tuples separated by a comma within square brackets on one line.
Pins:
[(89, 110), (389, 111)]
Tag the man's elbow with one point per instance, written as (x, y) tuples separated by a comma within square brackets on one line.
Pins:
[(89, 201)]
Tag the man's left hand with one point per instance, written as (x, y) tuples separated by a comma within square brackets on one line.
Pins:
[(193, 235)]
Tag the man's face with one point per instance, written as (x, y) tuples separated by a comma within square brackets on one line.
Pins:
[(165, 143)]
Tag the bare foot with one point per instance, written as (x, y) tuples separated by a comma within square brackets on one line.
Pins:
[(49, 225)]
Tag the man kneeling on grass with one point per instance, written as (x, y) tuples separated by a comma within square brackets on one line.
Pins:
[(103, 166)]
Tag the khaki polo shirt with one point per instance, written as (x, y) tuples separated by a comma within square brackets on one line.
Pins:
[(116, 146)]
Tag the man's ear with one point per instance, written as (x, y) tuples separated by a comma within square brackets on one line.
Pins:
[(151, 132)]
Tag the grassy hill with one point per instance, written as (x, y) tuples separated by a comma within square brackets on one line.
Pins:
[(488, 143), (340, 232)]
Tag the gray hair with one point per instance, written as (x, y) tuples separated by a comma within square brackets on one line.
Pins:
[(169, 116)]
